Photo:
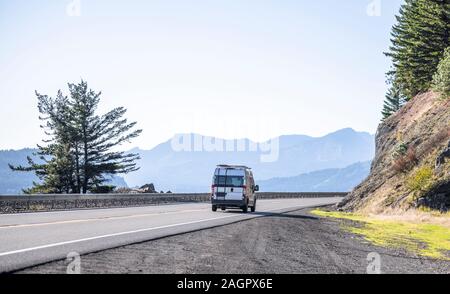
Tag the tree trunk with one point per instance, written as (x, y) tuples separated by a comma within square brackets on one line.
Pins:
[(77, 169), (86, 162)]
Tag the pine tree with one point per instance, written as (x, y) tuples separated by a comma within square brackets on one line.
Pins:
[(96, 136), (54, 166), (78, 154), (418, 42), (393, 102)]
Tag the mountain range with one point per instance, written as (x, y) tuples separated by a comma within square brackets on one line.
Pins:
[(327, 180), (185, 163), (190, 169), (14, 182)]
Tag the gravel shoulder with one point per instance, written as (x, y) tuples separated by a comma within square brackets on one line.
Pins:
[(295, 242)]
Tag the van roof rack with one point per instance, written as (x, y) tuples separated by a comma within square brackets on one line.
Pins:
[(233, 166)]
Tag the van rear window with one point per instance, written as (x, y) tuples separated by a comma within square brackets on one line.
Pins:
[(229, 181)]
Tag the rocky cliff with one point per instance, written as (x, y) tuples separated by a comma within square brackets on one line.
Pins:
[(411, 168)]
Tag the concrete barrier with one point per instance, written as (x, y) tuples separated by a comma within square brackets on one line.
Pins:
[(37, 203)]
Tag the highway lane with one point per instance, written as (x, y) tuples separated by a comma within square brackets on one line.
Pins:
[(35, 238)]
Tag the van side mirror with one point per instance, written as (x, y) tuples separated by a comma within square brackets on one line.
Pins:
[(256, 188)]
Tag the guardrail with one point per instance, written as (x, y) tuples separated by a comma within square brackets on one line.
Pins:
[(36, 203)]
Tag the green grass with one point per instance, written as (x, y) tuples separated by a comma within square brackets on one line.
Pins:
[(429, 240)]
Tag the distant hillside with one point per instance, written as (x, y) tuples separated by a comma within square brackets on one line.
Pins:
[(328, 180), (13, 182), (192, 171)]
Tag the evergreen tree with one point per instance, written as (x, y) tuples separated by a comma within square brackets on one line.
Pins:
[(54, 167), (418, 42), (96, 136), (441, 80), (78, 152), (393, 102)]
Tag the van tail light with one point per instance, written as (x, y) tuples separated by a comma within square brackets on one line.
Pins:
[(244, 187), (212, 189)]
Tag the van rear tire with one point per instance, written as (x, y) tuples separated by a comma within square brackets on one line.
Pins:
[(214, 208)]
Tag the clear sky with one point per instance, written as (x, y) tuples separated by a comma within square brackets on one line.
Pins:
[(226, 68)]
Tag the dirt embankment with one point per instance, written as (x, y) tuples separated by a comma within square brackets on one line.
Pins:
[(411, 168)]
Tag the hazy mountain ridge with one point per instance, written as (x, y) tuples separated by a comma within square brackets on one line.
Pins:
[(14, 182), (298, 154), (328, 180), (188, 171)]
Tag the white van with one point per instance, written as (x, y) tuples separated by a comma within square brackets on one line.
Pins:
[(233, 186)]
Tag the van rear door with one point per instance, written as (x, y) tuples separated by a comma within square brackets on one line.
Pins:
[(229, 183)]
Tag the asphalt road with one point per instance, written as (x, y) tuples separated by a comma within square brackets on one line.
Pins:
[(281, 243), (37, 238)]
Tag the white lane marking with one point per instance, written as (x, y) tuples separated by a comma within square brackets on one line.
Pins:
[(111, 235), (14, 226), (142, 230)]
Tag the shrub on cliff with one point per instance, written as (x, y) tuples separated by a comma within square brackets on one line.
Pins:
[(420, 180), (404, 158)]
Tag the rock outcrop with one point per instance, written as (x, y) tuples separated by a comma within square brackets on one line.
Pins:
[(414, 140), (147, 189), (443, 156)]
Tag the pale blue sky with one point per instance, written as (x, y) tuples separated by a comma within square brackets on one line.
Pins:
[(227, 68)]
